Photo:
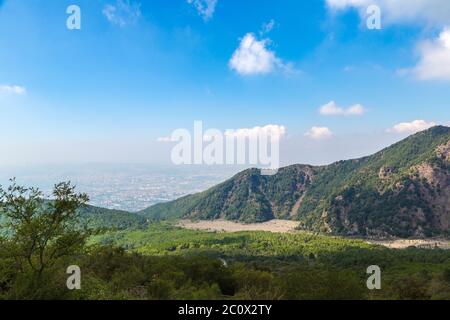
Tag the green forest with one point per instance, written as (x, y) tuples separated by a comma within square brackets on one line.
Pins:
[(157, 260)]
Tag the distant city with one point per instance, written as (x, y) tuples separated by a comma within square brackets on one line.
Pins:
[(123, 187)]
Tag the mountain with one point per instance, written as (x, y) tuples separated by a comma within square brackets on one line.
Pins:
[(96, 217), (403, 190)]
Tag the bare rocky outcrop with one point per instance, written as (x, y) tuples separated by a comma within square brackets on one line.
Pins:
[(443, 152), (385, 172), (437, 189)]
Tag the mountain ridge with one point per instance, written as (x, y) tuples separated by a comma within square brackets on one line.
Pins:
[(111, 219), (402, 190)]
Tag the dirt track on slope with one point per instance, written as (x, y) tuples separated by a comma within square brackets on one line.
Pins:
[(420, 243), (277, 226)]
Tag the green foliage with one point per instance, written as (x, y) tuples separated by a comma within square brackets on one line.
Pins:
[(166, 262), (164, 238), (100, 218), (39, 235), (263, 265)]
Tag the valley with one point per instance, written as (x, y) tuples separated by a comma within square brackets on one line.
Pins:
[(306, 233)]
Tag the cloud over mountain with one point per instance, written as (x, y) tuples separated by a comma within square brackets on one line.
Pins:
[(412, 127)]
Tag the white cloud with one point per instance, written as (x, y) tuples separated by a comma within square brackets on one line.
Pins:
[(356, 109), (253, 57), (205, 8), (411, 127), (434, 62), (435, 12), (7, 89), (271, 130), (332, 109), (123, 12), (318, 133)]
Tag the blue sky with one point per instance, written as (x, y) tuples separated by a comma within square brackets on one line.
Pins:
[(137, 70)]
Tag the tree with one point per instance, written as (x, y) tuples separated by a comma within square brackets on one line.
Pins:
[(38, 232)]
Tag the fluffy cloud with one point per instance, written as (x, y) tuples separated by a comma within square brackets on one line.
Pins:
[(435, 12), (434, 63), (411, 127), (205, 8), (319, 133), (123, 12), (253, 57), (332, 109), (7, 89), (271, 130)]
